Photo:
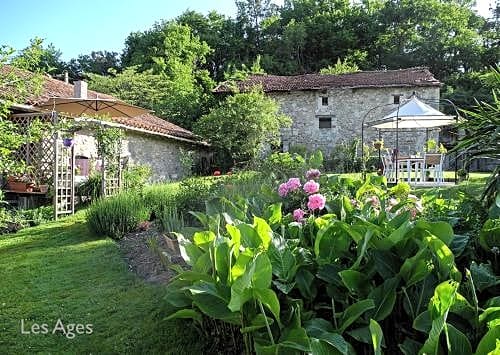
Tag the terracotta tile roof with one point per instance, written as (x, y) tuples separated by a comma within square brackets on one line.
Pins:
[(148, 122), (365, 79)]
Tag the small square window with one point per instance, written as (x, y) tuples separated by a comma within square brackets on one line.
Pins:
[(324, 101), (396, 99), (325, 122)]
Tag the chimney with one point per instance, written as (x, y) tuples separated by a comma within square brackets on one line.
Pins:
[(80, 89), (66, 77)]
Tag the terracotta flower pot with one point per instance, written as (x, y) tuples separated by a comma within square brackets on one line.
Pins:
[(17, 186)]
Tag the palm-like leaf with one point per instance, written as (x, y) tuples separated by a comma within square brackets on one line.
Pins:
[(482, 138)]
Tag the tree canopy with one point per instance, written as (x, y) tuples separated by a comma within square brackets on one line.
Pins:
[(190, 53), (242, 125)]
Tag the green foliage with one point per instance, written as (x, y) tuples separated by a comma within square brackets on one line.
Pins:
[(108, 141), (483, 135), (328, 283), (165, 76), (242, 125), (187, 160), (341, 67), (344, 157), (117, 215), (15, 86), (91, 188), (284, 165), (169, 220), (135, 177), (13, 220)]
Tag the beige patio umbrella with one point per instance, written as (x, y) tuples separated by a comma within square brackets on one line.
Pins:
[(91, 107)]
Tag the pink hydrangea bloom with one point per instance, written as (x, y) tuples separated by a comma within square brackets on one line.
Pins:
[(312, 174), (373, 200), (293, 184), (311, 187), (283, 189), (298, 215), (393, 202), (316, 202)]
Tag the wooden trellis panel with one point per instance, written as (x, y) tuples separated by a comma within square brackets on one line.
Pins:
[(64, 183), (112, 174), (38, 155)]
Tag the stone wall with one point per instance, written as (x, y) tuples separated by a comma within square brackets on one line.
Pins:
[(347, 107), (161, 154)]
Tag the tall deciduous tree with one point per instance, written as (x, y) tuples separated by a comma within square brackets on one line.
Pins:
[(16, 84), (96, 62), (167, 79), (242, 125)]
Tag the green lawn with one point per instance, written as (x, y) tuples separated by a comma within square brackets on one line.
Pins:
[(58, 271)]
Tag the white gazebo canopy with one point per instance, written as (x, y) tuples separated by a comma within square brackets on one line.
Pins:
[(413, 114)]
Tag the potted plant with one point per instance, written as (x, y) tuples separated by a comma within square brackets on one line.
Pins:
[(20, 183), (68, 142), (43, 188), (378, 144)]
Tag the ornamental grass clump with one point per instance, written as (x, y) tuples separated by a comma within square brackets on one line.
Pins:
[(117, 215)]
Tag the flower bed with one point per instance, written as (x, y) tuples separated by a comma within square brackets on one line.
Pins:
[(336, 265)]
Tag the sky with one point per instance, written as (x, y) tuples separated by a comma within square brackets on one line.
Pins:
[(79, 27)]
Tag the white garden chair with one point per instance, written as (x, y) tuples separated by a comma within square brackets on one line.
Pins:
[(433, 163), (389, 168)]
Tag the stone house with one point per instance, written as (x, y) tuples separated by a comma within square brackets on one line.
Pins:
[(329, 109), (148, 139)]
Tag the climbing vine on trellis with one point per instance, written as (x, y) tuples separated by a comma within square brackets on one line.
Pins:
[(108, 142)]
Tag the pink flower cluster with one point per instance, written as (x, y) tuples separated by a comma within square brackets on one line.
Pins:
[(312, 174), (293, 184), (311, 187), (316, 202), (298, 215)]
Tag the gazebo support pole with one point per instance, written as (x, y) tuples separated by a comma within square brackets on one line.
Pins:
[(380, 166), (396, 155), (363, 167)]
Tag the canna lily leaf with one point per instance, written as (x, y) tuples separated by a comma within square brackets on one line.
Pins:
[(489, 342), (353, 312), (377, 336), (355, 281), (459, 343), (185, 314), (270, 300), (203, 239), (441, 230), (283, 262), (264, 231), (384, 297), (295, 338), (439, 306), (257, 323)]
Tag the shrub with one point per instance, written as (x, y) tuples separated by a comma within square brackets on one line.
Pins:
[(135, 177), (117, 215), (284, 165), (36, 216), (157, 195)]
